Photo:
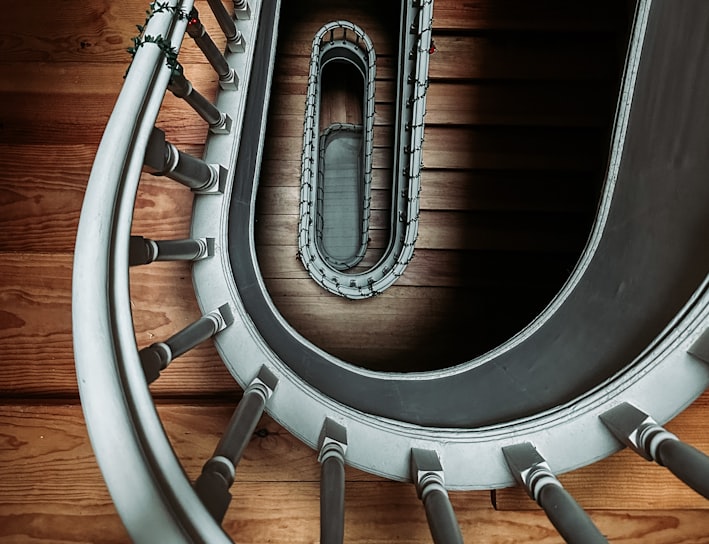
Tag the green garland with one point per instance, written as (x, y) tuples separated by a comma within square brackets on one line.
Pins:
[(141, 39)]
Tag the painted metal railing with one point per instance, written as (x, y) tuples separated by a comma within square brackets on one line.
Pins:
[(412, 82), (152, 494)]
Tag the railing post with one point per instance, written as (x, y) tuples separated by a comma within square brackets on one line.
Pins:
[(156, 357), (234, 39), (164, 159), (219, 472), (427, 474), (145, 251), (532, 472), (642, 434), (219, 122), (242, 9), (228, 80), (333, 445)]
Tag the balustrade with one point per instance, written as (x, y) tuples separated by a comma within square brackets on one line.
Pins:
[(101, 244), (533, 473), (427, 474), (156, 357), (218, 473), (644, 436)]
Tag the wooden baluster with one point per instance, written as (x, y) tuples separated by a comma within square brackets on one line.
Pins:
[(219, 472), (145, 251), (219, 122), (427, 474), (228, 80), (333, 445), (163, 159), (234, 39), (642, 434), (532, 472), (156, 357), (242, 9)]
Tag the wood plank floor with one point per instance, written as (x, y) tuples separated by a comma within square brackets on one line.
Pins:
[(528, 83)]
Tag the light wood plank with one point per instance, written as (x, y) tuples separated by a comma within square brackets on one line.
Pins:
[(556, 15), (514, 148), (52, 118), (517, 57), (35, 328), (42, 498), (91, 31), (42, 189), (447, 190), (438, 268), (420, 333), (370, 520)]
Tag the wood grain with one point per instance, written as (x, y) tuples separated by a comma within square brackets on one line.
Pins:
[(42, 189), (276, 494), (35, 328)]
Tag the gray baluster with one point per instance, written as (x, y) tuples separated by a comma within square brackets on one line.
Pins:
[(532, 472), (228, 79), (145, 251), (219, 122), (219, 472), (642, 434), (427, 474), (242, 9), (164, 159), (333, 445), (156, 357), (234, 39)]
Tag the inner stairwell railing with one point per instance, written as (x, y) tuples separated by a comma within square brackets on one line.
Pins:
[(412, 83)]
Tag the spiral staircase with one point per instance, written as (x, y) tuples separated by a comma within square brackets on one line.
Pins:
[(621, 349)]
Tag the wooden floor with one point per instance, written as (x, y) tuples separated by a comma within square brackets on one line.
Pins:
[(62, 68)]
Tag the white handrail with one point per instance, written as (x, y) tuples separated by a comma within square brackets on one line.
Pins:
[(148, 485)]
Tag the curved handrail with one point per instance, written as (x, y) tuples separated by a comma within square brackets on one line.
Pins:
[(406, 183), (146, 481)]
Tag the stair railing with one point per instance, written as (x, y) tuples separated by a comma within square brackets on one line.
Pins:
[(412, 83), (154, 497), (152, 494)]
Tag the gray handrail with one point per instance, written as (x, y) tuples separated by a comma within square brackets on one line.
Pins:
[(152, 494)]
